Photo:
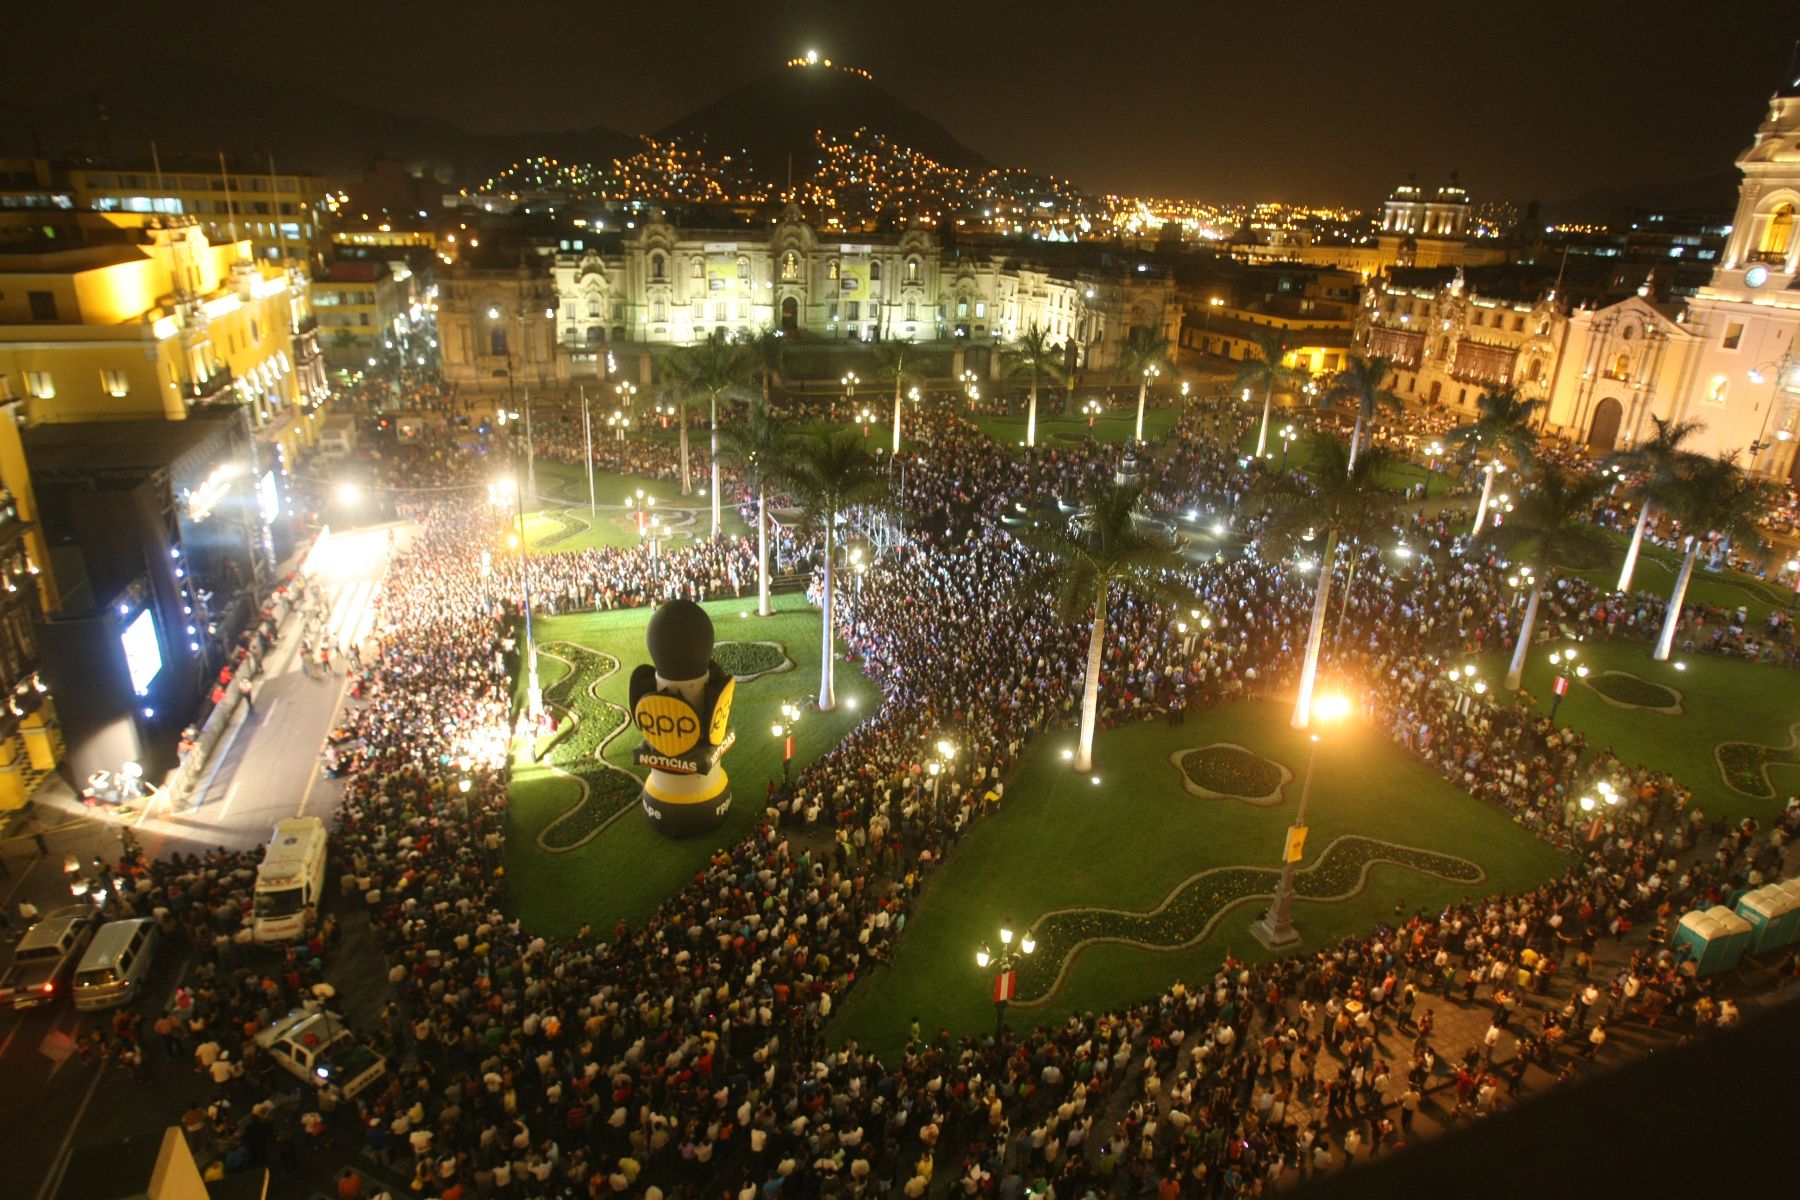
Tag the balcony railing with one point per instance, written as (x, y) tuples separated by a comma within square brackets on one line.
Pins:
[(214, 389)]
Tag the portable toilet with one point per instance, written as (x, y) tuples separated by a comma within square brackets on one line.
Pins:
[(1736, 933), (1700, 933), (1764, 908), (1788, 922)]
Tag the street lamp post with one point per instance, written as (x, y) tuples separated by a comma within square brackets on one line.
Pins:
[(1005, 970), (784, 733), (1092, 408), (1275, 928), (1564, 664), (587, 425), (534, 694), (1287, 440)]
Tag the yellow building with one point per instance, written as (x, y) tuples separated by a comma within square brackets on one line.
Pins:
[(362, 309), (132, 321)]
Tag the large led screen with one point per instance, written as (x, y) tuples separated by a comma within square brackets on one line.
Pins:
[(143, 657)]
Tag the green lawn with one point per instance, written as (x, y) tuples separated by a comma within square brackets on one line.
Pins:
[(629, 868), (1400, 473), (1724, 700), (1115, 425), (1058, 841), (1657, 568), (560, 527)]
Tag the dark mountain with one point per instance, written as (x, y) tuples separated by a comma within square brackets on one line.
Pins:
[(1715, 192), (776, 115), (305, 128)]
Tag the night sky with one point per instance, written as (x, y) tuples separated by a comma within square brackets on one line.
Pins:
[(1324, 100)]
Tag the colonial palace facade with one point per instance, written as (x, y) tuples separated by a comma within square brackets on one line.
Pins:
[(553, 314)]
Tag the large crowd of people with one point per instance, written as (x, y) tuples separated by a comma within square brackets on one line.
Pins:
[(688, 1055)]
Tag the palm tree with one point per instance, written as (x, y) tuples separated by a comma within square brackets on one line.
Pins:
[(1502, 427), (830, 474), (713, 368), (1266, 373), (1106, 545), (1709, 495), (1360, 383), (768, 351), (1143, 348), (1342, 502), (1034, 355), (1660, 461), (895, 360), (756, 445), (1548, 532)]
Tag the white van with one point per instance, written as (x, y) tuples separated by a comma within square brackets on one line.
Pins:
[(116, 963), (338, 436), (290, 881)]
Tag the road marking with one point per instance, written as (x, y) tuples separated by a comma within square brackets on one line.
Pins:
[(60, 1163), (23, 876), (307, 794), (12, 1033)]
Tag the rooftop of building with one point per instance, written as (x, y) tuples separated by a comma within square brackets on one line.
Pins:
[(354, 270), (118, 445)]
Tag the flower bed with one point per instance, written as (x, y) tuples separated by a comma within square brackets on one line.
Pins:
[(568, 526), (1186, 916), (1224, 771), (1745, 765), (1628, 691), (747, 660), (606, 790)]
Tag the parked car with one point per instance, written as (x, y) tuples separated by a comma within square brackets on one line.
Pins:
[(116, 963), (316, 1046), (46, 956)]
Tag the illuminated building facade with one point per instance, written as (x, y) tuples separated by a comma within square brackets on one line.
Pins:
[(559, 312), (1727, 359), (1449, 343), (362, 308)]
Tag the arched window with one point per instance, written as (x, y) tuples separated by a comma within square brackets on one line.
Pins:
[(593, 308), (743, 268), (912, 309), (1715, 393), (790, 265), (697, 268), (659, 310), (912, 270), (831, 269), (874, 272), (657, 268), (1778, 235), (1622, 367)]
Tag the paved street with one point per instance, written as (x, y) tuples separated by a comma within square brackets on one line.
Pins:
[(267, 768)]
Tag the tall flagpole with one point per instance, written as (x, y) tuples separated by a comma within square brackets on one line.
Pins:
[(587, 421), (530, 449)]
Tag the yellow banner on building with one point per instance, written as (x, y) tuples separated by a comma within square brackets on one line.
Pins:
[(722, 272), (853, 279)]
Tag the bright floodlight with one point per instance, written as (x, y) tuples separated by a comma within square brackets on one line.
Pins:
[(348, 492), (1331, 707)]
